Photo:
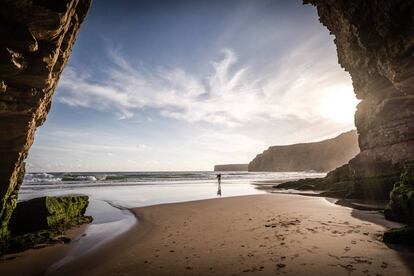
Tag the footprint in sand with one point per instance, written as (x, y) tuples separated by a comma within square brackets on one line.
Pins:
[(347, 267), (294, 257)]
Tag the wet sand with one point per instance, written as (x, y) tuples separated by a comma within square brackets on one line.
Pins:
[(36, 261), (261, 234)]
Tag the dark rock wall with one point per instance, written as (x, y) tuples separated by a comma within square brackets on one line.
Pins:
[(319, 156), (375, 44), (36, 41)]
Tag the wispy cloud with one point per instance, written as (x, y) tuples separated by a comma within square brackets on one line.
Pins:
[(230, 93)]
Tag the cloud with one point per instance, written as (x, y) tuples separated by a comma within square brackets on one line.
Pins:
[(230, 93), (227, 143)]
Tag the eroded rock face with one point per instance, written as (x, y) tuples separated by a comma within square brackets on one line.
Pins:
[(321, 156), (36, 41), (375, 44)]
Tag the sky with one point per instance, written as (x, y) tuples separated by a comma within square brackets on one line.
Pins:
[(183, 85)]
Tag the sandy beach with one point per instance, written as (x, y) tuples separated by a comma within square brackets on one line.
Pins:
[(263, 234), (37, 260)]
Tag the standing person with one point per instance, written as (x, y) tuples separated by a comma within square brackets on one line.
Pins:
[(219, 178), (219, 184)]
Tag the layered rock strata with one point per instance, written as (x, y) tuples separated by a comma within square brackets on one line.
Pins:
[(36, 41), (319, 156), (375, 44)]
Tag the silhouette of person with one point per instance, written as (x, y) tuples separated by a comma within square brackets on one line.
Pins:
[(219, 184), (219, 178)]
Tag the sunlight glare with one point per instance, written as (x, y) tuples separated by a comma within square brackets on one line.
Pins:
[(339, 104)]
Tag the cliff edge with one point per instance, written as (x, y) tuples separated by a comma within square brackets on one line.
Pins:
[(319, 156)]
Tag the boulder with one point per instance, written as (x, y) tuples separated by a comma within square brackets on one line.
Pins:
[(40, 220)]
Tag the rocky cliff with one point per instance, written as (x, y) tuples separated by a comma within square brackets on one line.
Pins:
[(320, 156), (375, 44), (36, 41)]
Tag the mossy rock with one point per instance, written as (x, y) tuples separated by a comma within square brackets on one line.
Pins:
[(39, 220), (401, 205), (23, 242), (8, 203), (46, 213)]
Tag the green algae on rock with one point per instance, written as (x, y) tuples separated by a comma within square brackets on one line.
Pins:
[(401, 205), (9, 202), (41, 219), (46, 213)]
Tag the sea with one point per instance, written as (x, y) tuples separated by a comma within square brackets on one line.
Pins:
[(112, 194)]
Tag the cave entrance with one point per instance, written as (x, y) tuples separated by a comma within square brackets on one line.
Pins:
[(206, 80), (225, 89)]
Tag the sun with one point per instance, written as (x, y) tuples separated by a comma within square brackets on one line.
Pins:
[(338, 104)]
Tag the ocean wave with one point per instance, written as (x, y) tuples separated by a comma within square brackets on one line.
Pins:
[(121, 178), (40, 178), (79, 178)]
